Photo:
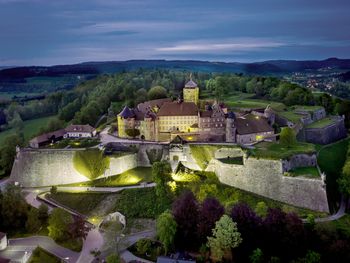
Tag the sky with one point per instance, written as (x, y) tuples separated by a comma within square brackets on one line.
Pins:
[(51, 32)]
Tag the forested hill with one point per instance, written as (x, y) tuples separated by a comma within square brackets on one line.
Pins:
[(266, 67)]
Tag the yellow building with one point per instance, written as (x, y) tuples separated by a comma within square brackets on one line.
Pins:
[(191, 92)]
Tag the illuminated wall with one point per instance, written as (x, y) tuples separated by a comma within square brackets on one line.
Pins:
[(177, 123), (191, 95)]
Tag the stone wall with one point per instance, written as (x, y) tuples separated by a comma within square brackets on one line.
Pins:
[(45, 167), (265, 177), (299, 160), (326, 135)]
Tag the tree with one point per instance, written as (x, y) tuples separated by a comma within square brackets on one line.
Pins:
[(8, 152), (166, 230), (13, 208), (43, 213), (344, 179), (287, 137), (185, 212), (33, 223), (257, 256), (261, 209), (53, 190), (143, 246), (78, 228), (225, 237), (59, 222), (157, 92), (113, 258), (161, 176), (209, 213), (207, 190), (141, 95), (132, 132)]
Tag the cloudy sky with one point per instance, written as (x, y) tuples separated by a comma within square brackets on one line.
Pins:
[(48, 32)]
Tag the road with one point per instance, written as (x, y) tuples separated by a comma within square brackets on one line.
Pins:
[(93, 241), (46, 243)]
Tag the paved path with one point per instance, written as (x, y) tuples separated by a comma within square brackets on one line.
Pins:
[(93, 241), (3, 183), (46, 243), (340, 213)]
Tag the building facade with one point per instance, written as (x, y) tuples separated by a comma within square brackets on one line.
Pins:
[(163, 120)]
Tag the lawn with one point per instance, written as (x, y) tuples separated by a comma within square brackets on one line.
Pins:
[(290, 115), (75, 143), (321, 123), (309, 172), (275, 150), (254, 104), (331, 159), (31, 128), (40, 255), (84, 203), (130, 177)]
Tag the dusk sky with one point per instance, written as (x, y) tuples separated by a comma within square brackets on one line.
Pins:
[(48, 32)]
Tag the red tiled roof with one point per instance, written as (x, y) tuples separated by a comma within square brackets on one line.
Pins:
[(250, 123), (178, 109)]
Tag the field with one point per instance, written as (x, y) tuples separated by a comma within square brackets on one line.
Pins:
[(31, 128), (279, 151), (309, 172), (254, 104), (331, 159), (40, 255), (321, 123)]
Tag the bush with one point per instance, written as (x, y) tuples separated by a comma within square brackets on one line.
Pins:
[(143, 246)]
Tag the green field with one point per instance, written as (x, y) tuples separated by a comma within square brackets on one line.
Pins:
[(331, 159), (290, 115), (308, 172), (40, 255), (31, 128), (254, 104), (279, 151), (321, 123)]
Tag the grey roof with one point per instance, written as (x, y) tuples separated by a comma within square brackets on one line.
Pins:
[(79, 128), (231, 115), (191, 84), (250, 124), (46, 137), (126, 113)]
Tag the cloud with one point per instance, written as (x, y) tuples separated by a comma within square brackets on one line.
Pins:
[(233, 45)]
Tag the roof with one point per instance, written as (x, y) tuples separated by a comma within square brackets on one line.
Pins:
[(2, 235), (205, 114), (47, 137), (178, 140), (79, 128), (149, 105), (191, 84), (126, 113), (178, 109), (250, 123), (231, 115)]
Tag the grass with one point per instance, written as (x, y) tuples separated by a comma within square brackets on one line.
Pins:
[(290, 115), (233, 160), (204, 153), (130, 177), (40, 255), (309, 172), (91, 163), (254, 104), (72, 244), (275, 150), (83, 203), (31, 128), (321, 123), (306, 107), (331, 159), (75, 143), (342, 226)]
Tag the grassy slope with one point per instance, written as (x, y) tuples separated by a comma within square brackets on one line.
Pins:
[(40, 255), (309, 172), (31, 128), (331, 159), (321, 123), (278, 151)]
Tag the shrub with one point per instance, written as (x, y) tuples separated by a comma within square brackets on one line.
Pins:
[(143, 246)]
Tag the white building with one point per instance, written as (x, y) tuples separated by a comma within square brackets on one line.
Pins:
[(79, 131)]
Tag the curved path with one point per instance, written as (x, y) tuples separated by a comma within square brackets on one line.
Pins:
[(46, 243)]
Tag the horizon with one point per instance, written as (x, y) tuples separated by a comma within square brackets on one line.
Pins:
[(45, 33)]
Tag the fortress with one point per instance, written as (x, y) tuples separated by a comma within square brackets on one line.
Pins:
[(265, 177), (164, 119)]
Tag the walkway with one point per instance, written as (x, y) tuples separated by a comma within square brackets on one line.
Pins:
[(46, 243)]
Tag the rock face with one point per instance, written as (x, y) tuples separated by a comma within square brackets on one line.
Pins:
[(45, 167)]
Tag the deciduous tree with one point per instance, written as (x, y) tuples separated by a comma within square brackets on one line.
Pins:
[(166, 230)]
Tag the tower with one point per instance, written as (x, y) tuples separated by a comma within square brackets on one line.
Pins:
[(191, 91), (230, 127)]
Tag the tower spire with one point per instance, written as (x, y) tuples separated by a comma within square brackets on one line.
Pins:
[(191, 76)]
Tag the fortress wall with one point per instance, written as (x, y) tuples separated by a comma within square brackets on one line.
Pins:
[(34, 168), (142, 157), (45, 167), (265, 177), (299, 160), (326, 135), (121, 164)]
